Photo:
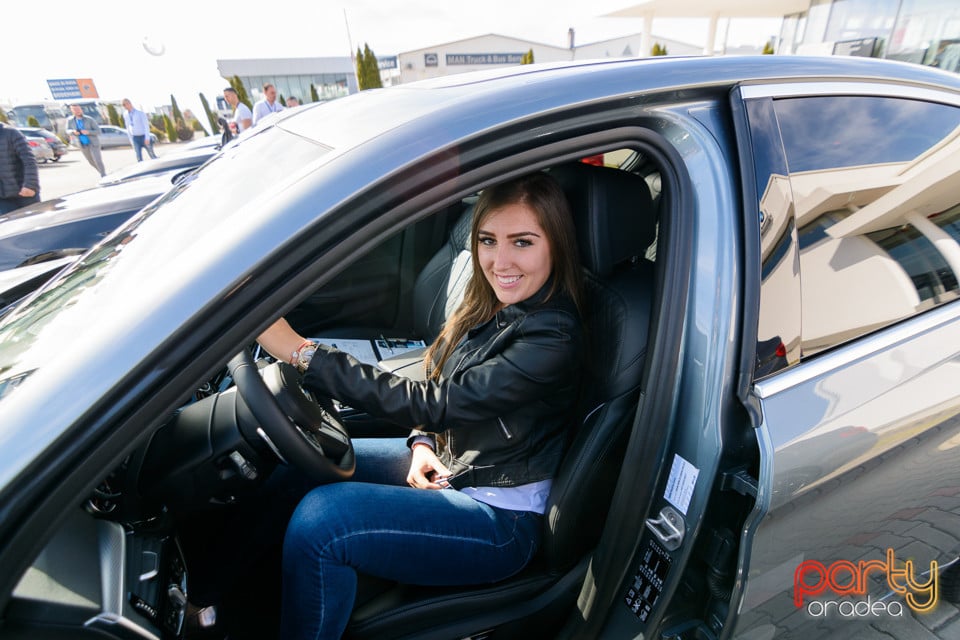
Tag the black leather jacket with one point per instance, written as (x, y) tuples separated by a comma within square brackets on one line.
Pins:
[(503, 401)]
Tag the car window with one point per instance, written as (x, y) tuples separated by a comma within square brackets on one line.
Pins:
[(830, 132), (778, 322), (873, 183)]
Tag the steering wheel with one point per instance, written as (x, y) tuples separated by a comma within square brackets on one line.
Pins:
[(306, 435)]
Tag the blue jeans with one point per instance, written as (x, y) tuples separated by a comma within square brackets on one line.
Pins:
[(380, 526), (15, 202), (139, 144)]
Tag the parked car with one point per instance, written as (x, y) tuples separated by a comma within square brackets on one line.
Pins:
[(41, 150), (170, 161), (56, 144), (36, 241), (111, 136), (49, 114), (774, 340)]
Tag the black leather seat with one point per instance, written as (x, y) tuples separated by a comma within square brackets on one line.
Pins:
[(439, 287), (616, 222), (437, 292)]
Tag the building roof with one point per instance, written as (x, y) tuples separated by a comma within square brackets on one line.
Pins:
[(525, 42), (709, 8)]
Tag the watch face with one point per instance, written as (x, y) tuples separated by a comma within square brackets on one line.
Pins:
[(304, 358)]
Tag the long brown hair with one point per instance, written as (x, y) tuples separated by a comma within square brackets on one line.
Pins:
[(543, 195)]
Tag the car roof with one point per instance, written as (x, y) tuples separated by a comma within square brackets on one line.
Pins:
[(481, 94)]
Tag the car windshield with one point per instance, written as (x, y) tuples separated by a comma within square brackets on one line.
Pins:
[(183, 223), (90, 109), (22, 114), (220, 218)]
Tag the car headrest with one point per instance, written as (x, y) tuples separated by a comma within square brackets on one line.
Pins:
[(613, 213)]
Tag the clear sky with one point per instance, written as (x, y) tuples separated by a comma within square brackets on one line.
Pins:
[(43, 40)]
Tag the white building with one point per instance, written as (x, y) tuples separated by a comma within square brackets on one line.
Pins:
[(493, 50), (332, 77), (473, 54)]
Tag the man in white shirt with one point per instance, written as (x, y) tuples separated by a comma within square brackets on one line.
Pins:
[(267, 105), (138, 128), (242, 117)]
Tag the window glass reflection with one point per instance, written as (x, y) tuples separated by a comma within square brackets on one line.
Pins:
[(850, 19), (926, 267), (927, 32), (875, 186), (778, 326), (949, 221), (830, 132)]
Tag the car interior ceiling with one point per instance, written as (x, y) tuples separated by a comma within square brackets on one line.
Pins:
[(403, 289)]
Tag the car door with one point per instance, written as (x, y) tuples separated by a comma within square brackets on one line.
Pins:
[(857, 190)]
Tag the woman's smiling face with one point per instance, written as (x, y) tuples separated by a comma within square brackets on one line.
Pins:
[(514, 253)]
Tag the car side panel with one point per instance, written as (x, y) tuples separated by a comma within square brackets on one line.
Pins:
[(858, 469), (865, 460)]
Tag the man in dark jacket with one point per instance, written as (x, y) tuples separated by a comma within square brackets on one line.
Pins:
[(19, 179)]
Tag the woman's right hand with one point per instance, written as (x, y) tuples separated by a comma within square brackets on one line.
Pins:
[(426, 469)]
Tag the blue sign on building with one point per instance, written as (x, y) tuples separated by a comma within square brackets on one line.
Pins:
[(387, 62), (65, 89)]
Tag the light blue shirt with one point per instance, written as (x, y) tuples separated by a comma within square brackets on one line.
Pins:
[(262, 109), (532, 496), (136, 123)]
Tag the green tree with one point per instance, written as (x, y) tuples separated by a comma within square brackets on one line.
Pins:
[(368, 70), (658, 49), (767, 48), (175, 110), (358, 61), (32, 121), (211, 118), (527, 57), (113, 116), (170, 129), (281, 99), (313, 94), (3, 117), (237, 85), (184, 128)]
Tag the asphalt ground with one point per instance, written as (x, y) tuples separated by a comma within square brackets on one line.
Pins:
[(73, 173)]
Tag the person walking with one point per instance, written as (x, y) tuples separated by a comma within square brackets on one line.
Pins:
[(87, 133), (267, 105), (138, 128), (242, 118), (19, 178)]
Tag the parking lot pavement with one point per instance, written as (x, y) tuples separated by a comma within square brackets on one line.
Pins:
[(73, 173)]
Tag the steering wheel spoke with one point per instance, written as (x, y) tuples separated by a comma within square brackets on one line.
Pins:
[(308, 436)]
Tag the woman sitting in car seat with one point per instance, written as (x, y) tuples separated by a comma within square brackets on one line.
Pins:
[(459, 501)]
